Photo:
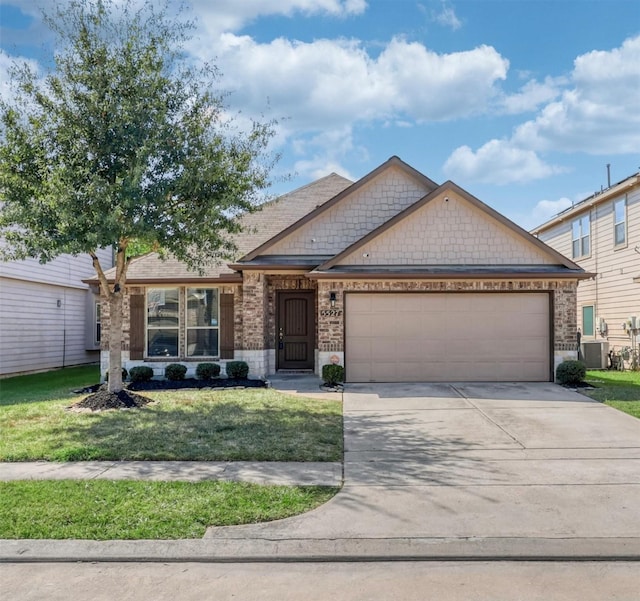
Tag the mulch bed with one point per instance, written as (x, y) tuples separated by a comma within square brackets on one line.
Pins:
[(100, 399)]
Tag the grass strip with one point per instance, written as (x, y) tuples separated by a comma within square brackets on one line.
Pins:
[(618, 389), (127, 510)]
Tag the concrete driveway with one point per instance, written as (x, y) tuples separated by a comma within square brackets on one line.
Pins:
[(482, 462)]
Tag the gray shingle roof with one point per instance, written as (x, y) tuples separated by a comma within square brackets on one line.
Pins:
[(259, 227)]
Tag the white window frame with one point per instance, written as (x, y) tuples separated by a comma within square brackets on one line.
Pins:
[(581, 236), (210, 327), (623, 222), (146, 322)]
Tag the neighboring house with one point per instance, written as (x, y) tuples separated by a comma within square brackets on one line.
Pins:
[(393, 276), (602, 234), (48, 317)]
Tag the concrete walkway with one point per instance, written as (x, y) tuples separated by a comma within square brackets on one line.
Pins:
[(267, 472), (442, 472)]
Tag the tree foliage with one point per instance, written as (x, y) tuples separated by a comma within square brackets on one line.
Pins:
[(124, 143)]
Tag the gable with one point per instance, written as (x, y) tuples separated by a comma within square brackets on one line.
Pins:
[(357, 214), (448, 227)]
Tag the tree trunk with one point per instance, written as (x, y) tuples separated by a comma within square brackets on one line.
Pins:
[(115, 341)]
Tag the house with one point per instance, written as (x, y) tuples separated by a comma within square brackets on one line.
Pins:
[(48, 316), (602, 234), (393, 276)]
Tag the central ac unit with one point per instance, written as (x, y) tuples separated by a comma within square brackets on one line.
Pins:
[(595, 354)]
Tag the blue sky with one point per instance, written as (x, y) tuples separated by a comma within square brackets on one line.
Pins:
[(522, 103)]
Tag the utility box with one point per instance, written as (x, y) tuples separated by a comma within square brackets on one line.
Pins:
[(595, 354)]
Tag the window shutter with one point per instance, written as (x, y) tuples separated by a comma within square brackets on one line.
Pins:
[(226, 326), (136, 326)]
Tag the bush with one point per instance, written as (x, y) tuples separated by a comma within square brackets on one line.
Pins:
[(237, 369), (207, 371), (332, 374), (141, 373), (175, 372), (124, 375), (571, 372)]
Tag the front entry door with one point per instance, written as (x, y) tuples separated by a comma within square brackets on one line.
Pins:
[(295, 335)]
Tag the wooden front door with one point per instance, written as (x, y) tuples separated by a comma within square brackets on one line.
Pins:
[(295, 329)]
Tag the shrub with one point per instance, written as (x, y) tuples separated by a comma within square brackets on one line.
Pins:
[(175, 371), (125, 373), (207, 371), (571, 372), (141, 373), (237, 369), (332, 374)]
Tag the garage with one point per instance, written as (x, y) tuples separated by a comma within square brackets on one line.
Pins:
[(440, 337)]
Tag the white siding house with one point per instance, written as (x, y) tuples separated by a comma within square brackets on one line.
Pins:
[(47, 314)]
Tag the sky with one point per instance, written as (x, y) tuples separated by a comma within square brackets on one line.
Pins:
[(523, 103)]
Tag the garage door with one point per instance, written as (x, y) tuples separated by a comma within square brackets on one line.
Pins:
[(456, 337)]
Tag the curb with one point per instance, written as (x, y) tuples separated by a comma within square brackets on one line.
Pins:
[(230, 550)]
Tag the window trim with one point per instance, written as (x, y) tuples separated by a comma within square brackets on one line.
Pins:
[(146, 322), (593, 321), (581, 237), (624, 221), (182, 328), (187, 327)]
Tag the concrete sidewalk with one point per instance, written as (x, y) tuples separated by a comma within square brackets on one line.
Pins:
[(266, 472)]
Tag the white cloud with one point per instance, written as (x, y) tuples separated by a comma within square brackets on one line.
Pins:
[(446, 17), (7, 92), (331, 83), (599, 114), (497, 162), (546, 209), (532, 95), (231, 15)]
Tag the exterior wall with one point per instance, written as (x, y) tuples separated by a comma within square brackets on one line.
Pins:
[(447, 232), (353, 217), (36, 334), (331, 326), (613, 293)]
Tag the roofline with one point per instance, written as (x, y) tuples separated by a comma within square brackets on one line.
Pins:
[(449, 185), (232, 278), (394, 161), (272, 266), (418, 275), (589, 202)]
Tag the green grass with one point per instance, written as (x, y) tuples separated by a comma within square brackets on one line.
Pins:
[(225, 425), (48, 385), (619, 389), (103, 510)]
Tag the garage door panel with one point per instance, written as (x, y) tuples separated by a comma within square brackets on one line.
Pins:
[(447, 337)]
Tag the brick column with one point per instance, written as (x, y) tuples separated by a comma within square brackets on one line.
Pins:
[(254, 323)]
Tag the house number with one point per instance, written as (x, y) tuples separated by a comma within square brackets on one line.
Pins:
[(331, 312)]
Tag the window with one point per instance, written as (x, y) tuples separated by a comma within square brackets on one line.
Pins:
[(587, 321), (620, 221), (202, 322), (580, 234), (163, 322), (198, 322), (97, 333)]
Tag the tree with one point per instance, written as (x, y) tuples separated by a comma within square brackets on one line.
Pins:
[(123, 142)]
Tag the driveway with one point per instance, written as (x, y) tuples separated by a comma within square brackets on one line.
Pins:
[(477, 461)]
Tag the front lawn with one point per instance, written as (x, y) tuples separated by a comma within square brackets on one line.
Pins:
[(103, 510), (213, 425), (619, 389)]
